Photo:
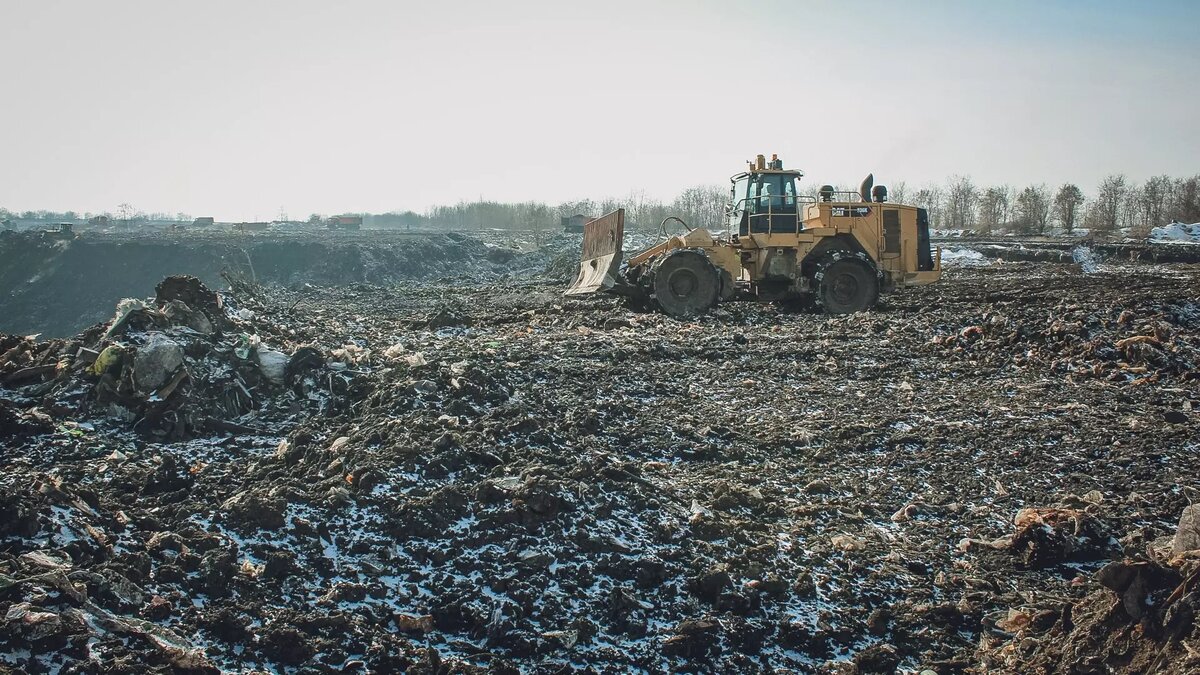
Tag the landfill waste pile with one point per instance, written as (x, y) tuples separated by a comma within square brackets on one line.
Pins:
[(991, 474), (1142, 620)]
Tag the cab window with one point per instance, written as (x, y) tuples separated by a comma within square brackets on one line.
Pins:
[(773, 192), (737, 200)]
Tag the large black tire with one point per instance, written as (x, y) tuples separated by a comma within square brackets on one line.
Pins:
[(845, 284), (686, 283)]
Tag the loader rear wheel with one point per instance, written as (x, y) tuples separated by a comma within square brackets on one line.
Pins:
[(686, 284), (846, 285)]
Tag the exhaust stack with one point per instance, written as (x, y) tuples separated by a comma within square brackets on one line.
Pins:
[(864, 190)]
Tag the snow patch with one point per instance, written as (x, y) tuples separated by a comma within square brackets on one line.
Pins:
[(1086, 259), (962, 257), (1176, 232)]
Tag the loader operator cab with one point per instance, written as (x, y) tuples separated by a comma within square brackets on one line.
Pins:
[(765, 201)]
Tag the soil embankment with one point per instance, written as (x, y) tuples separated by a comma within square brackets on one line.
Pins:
[(58, 288)]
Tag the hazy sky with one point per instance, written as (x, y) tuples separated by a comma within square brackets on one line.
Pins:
[(235, 109)]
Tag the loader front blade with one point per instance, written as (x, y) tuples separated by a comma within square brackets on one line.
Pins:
[(602, 241)]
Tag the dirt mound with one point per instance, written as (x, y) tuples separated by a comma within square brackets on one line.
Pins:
[(1144, 620), (59, 287)]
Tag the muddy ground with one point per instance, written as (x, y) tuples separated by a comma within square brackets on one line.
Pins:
[(489, 477)]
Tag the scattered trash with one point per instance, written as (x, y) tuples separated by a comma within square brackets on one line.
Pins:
[(273, 364), (108, 360), (155, 362), (846, 542), (1049, 536)]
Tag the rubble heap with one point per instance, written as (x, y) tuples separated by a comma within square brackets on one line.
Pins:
[(1142, 619)]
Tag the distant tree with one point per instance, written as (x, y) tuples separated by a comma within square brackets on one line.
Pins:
[(315, 219), (1185, 200), (610, 204), (583, 207), (1155, 199), (1105, 212), (993, 208), (1033, 209), (1067, 202), (931, 199), (1007, 206), (393, 219), (961, 198), (411, 219), (649, 215), (898, 192), (541, 218), (641, 212), (702, 206), (125, 213), (1131, 220)]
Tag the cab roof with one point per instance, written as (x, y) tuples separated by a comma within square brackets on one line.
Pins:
[(777, 172)]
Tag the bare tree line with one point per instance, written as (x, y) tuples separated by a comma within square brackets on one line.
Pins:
[(123, 212), (1116, 204), (700, 206)]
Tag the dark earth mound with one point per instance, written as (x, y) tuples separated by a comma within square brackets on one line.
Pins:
[(58, 287)]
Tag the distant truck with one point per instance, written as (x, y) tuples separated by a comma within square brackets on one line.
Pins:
[(60, 231), (573, 223), (344, 223), (203, 221)]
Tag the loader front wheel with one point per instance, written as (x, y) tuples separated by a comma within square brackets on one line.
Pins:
[(686, 284), (846, 285)]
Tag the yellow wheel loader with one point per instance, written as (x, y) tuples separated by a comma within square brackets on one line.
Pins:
[(841, 249)]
